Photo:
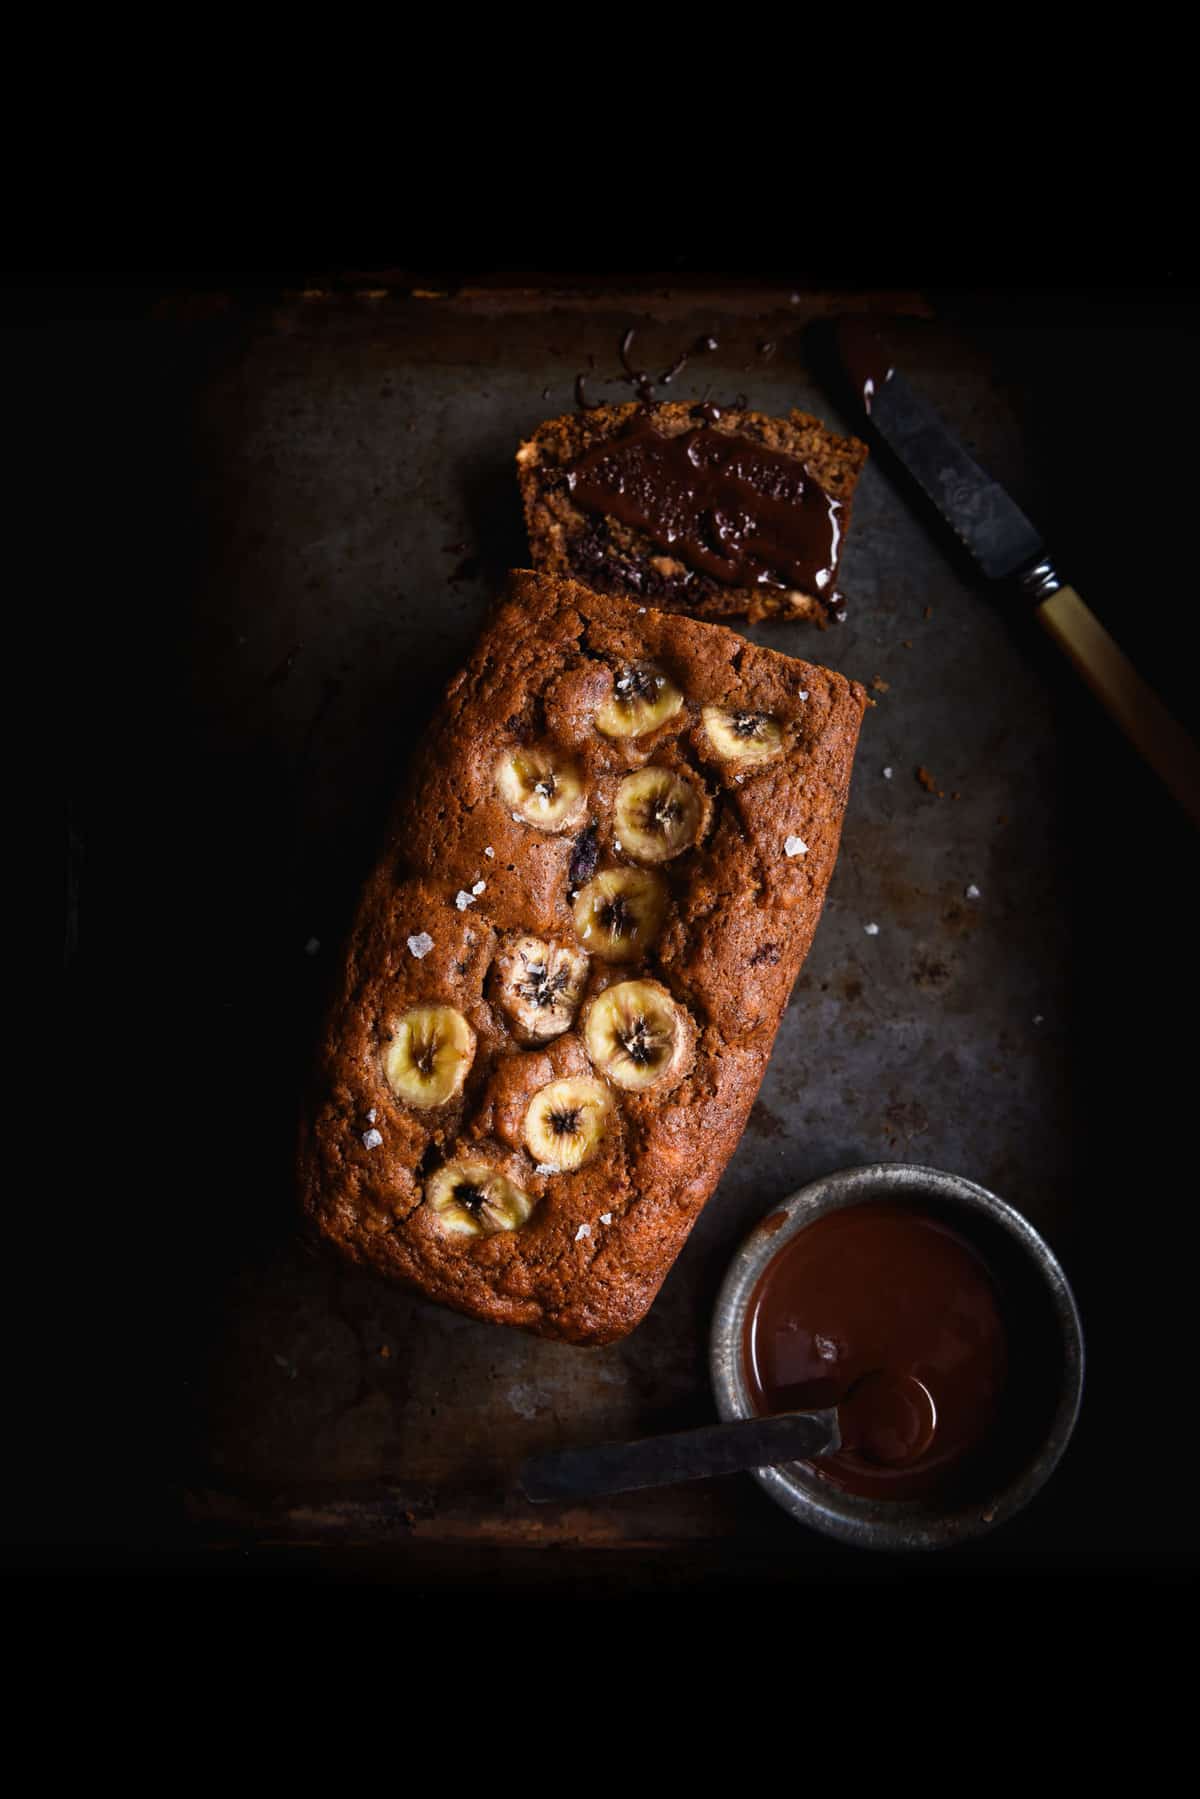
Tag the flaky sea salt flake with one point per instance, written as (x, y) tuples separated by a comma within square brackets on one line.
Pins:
[(795, 846), (973, 892), (872, 930), (585, 1230), (478, 888), (489, 851), (420, 945), (606, 1217), (887, 773), (463, 899), (372, 1139)]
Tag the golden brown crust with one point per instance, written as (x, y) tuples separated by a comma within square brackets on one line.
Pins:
[(740, 918), (612, 557)]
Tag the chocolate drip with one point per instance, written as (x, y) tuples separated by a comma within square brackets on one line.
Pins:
[(581, 399), (730, 508), (864, 357), (641, 380)]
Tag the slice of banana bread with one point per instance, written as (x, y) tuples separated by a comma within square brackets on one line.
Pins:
[(699, 509), (567, 971)]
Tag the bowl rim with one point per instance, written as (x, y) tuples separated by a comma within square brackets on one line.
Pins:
[(890, 1524)]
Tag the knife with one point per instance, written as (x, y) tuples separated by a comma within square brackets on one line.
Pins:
[(684, 1455), (1007, 547)]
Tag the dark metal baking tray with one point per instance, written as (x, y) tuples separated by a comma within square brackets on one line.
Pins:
[(337, 467)]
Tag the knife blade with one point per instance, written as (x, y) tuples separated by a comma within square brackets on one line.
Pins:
[(977, 509), (683, 1455), (1008, 547)]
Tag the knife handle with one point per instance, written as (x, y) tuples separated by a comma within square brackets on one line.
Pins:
[(685, 1455), (1162, 740)]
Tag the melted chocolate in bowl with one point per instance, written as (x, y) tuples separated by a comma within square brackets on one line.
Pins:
[(895, 1317)]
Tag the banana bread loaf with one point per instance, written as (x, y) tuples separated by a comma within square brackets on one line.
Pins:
[(697, 509), (562, 987)]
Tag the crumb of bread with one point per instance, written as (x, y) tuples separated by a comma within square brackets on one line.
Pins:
[(879, 685)]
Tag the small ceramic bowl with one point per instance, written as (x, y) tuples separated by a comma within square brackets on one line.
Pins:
[(1046, 1381)]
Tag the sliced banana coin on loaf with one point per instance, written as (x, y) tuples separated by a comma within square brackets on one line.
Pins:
[(638, 1037), (542, 789), (566, 1122), (429, 1053), (538, 983), (643, 698), (620, 912), (742, 736), (657, 815), (472, 1199)]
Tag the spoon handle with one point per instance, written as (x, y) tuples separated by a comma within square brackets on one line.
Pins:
[(685, 1455)]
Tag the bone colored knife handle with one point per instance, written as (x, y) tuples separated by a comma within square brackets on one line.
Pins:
[(1162, 740)]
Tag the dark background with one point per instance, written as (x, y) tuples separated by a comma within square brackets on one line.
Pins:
[(183, 931)]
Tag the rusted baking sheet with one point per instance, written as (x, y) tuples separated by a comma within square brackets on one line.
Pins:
[(349, 450)]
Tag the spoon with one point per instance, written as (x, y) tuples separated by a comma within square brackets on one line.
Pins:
[(886, 1418)]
